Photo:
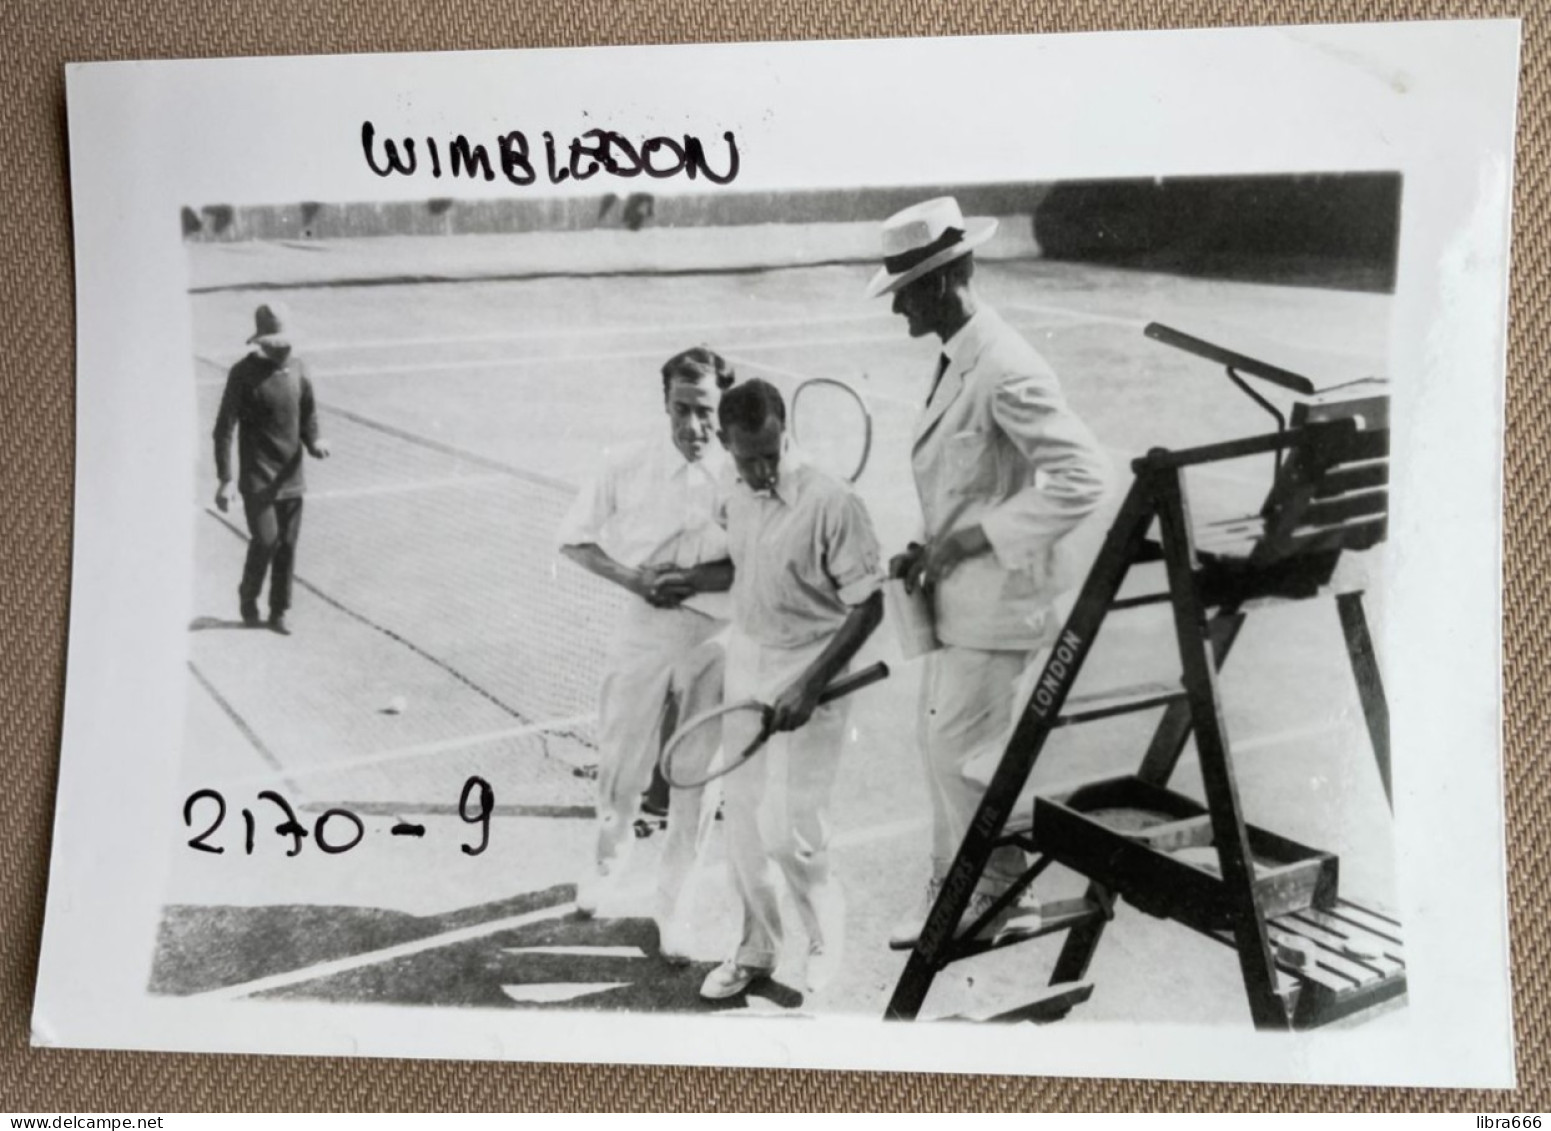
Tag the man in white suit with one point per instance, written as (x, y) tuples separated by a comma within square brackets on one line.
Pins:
[(1004, 471)]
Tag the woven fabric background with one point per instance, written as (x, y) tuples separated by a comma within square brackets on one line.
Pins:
[(37, 391)]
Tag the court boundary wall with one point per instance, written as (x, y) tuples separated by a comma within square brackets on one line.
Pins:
[(1337, 229)]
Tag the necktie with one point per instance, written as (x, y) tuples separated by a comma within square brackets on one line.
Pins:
[(942, 367)]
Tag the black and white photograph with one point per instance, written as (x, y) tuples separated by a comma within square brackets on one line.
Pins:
[(708, 586)]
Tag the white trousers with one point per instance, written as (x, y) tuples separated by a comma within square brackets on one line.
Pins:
[(776, 808), (968, 697), (656, 654)]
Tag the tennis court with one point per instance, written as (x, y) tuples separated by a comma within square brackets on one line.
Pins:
[(464, 414)]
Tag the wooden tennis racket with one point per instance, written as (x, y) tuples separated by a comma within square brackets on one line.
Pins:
[(832, 426), (684, 777)]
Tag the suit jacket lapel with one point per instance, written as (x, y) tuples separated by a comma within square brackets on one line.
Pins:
[(948, 389), (952, 386)]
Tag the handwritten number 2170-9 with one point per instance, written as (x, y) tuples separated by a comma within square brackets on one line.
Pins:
[(336, 830)]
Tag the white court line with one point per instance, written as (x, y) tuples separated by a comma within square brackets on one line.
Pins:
[(550, 993), (579, 951), (421, 750), (323, 373), (737, 358), (1291, 734), (1038, 310), (1031, 309), (377, 957), (603, 355), (867, 392), (413, 485), (682, 328), (567, 359)]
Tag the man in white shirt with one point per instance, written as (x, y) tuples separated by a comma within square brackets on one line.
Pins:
[(647, 524), (1004, 470), (805, 596)]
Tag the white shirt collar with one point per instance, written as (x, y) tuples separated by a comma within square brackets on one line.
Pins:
[(954, 345), (709, 464)]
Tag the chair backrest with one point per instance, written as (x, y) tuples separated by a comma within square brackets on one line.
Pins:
[(1332, 492)]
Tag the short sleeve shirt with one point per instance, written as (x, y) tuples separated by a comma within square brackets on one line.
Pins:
[(803, 555)]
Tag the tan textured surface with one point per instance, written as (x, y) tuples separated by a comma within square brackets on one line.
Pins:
[(36, 304)]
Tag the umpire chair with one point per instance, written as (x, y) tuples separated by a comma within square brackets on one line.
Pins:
[(1306, 954)]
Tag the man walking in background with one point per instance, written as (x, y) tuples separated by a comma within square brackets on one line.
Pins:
[(1004, 470), (269, 402)]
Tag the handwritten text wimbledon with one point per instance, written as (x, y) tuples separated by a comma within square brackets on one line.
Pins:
[(594, 152)]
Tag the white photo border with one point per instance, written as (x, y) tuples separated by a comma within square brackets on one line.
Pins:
[(1434, 101)]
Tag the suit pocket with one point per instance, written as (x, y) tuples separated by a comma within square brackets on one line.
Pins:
[(971, 460)]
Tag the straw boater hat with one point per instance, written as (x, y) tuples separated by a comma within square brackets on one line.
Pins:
[(922, 238)]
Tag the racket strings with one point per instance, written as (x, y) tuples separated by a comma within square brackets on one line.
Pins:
[(832, 426)]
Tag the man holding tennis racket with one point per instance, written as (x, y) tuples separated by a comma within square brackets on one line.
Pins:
[(647, 523), (805, 597), (1004, 470)]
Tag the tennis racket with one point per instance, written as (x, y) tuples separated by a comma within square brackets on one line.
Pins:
[(832, 426), (684, 777)]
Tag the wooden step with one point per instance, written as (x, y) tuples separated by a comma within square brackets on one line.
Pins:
[(1152, 846), (1368, 919), (1114, 701), (1379, 948), (1232, 538), (1057, 915), (1328, 965), (1159, 835)]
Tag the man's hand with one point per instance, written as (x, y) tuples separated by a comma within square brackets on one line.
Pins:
[(904, 565), (320, 449), (663, 587), (223, 496), (669, 588), (943, 555), (643, 580), (795, 706)]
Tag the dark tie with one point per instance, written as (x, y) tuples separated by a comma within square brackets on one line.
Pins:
[(942, 367)]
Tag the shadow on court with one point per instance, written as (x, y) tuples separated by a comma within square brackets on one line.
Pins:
[(205, 624), (570, 963), (371, 955), (202, 948)]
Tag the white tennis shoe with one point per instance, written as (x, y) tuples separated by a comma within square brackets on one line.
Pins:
[(730, 979)]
